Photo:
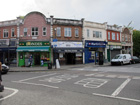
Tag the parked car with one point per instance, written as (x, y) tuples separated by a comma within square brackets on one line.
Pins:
[(135, 59), (121, 59), (5, 69)]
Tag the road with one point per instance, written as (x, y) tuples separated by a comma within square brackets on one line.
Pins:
[(105, 85)]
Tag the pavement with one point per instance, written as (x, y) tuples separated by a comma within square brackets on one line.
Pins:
[(63, 67)]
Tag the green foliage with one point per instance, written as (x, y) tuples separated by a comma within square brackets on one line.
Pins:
[(136, 42)]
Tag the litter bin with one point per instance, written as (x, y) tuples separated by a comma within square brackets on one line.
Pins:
[(49, 65)]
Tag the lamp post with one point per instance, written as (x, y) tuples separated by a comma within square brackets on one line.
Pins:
[(55, 49)]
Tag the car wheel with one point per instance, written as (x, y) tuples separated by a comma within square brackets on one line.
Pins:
[(121, 63)]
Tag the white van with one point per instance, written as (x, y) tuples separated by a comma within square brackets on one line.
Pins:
[(121, 59)]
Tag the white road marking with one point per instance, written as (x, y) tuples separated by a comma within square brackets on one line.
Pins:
[(120, 88), (37, 77), (111, 76), (122, 98), (123, 76), (99, 75), (15, 91), (136, 78), (91, 82), (36, 84)]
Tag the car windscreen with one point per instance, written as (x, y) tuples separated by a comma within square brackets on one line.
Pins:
[(117, 57)]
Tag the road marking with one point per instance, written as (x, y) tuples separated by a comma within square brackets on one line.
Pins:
[(91, 82), (15, 91), (99, 75), (111, 76), (59, 78), (136, 78), (122, 98), (123, 76), (120, 88), (36, 84), (37, 77)]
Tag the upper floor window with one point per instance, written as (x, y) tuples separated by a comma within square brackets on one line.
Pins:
[(44, 31), (113, 36), (58, 31), (25, 31), (67, 32), (126, 39), (5, 33), (122, 37), (34, 31), (108, 35), (88, 33), (117, 36), (76, 32), (12, 32), (97, 34)]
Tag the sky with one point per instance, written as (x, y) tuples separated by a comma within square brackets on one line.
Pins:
[(120, 12)]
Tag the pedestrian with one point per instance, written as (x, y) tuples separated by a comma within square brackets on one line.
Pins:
[(0, 72), (1, 86)]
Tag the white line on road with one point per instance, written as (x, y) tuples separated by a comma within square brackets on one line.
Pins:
[(37, 77), (15, 91), (122, 98), (36, 84), (120, 88)]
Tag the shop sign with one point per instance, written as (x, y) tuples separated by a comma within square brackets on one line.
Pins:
[(4, 42), (34, 43), (67, 44), (95, 44)]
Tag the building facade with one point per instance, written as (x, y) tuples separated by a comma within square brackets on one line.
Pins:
[(8, 40), (67, 41), (127, 41), (94, 41), (34, 40), (114, 41)]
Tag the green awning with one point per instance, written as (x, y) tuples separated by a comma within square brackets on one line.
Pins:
[(33, 49)]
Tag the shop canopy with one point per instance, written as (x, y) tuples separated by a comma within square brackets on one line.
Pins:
[(33, 49)]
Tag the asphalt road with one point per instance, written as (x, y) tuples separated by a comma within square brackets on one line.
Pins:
[(107, 85)]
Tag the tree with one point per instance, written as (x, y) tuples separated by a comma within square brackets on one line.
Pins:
[(136, 42)]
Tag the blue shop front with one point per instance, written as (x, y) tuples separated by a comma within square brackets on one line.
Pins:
[(93, 49)]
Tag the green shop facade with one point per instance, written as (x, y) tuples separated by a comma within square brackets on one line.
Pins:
[(34, 53)]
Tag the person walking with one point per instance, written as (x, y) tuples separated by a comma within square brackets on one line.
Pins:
[(1, 86)]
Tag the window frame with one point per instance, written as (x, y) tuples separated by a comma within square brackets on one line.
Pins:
[(25, 32), (7, 32), (108, 35), (113, 36), (13, 31), (117, 36), (77, 32), (44, 31), (88, 33), (35, 31), (58, 31), (67, 32)]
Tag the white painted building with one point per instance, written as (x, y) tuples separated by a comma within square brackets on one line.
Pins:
[(94, 36)]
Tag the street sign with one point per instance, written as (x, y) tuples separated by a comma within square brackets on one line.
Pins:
[(54, 40)]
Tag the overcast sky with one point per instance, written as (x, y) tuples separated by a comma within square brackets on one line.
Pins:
[(120, 12)]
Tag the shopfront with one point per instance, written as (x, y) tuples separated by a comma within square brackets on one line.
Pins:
[(34, 53), (113, 49), (68, 52), (7, 50), (93, 49)]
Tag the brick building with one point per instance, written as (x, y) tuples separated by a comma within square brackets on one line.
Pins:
[(67, 41)]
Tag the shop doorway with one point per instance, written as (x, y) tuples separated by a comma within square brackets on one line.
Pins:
[(37, 59), (70, 58)]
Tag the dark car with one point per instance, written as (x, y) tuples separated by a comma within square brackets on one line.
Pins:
[(5, 69), (135, 59)]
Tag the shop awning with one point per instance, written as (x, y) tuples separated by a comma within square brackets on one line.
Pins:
[(33, 49)]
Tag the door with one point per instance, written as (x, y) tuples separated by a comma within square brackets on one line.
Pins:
[(37, 58)]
